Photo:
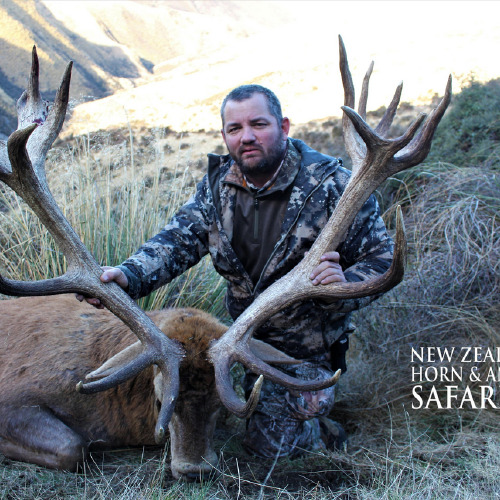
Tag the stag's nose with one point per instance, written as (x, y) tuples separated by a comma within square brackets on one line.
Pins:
[(189, 471)]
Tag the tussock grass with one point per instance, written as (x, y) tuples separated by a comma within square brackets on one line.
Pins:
[(449, 297), (115, 200)]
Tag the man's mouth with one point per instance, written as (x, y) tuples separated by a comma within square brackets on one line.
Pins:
[(250, 151)]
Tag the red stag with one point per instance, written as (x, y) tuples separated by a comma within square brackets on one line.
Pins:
[(44, 420)]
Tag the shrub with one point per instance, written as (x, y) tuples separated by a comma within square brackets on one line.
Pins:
[(470, 131)]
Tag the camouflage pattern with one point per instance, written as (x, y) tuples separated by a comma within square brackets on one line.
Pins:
[(204, 225), (285, 423)]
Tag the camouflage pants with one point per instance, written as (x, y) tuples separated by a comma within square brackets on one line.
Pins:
[(285, 422)]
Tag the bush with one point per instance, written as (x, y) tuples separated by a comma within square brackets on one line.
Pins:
[(470, 131)]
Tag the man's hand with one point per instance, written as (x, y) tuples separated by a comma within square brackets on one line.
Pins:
[(329, 271), (109, 274)]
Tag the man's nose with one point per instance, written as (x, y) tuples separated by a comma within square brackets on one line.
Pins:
[(247, 135)]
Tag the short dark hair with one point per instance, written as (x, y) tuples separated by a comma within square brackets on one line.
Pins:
[(246, 91)]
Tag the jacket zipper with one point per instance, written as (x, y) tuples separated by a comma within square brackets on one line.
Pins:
[(256, 219)]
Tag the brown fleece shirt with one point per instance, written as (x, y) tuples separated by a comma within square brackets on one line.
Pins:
[(259, 214)]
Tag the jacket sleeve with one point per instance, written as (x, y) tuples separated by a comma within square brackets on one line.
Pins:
[(177, 247), (365, 252)]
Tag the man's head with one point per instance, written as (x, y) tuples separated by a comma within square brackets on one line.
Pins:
[(254, 131)]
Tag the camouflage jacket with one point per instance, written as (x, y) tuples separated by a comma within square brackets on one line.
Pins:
[(204, 225)]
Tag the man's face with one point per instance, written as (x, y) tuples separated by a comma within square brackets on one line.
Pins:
[(253, 137)]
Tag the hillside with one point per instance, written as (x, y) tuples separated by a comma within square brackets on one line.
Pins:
[(114, 45), (98, 68), (169, 63)]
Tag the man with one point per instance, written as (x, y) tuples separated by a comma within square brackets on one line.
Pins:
[(257, 212)]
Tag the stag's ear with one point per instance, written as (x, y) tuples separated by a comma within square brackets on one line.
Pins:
[(118, 361), (270, 354)]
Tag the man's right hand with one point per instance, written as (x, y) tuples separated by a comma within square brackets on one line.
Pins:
[(109, 274)]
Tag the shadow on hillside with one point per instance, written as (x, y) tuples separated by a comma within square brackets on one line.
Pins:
[(61, 45)]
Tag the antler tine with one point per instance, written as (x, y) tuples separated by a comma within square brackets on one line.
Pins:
[(142, 360), (31, 108), (169, 398), (355, 148), (33, 82), (27, 148), (229, 398), (363, 98), (386, 121), (419, 148), (43, 140), (6, 175), (374, 160), (345, 73)]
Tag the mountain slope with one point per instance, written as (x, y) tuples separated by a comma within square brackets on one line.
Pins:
[(114, 45), (158, 63)]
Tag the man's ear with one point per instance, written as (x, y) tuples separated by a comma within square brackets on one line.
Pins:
[(223, 135), (285, 127)]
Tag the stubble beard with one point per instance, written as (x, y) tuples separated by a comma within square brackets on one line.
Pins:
[(267, 165)]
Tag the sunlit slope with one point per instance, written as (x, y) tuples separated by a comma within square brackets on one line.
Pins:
[(114, 45)]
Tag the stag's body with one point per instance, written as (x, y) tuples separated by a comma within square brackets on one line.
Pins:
[(49, 344)]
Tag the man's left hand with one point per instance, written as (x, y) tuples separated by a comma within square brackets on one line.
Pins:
[(328, 271)]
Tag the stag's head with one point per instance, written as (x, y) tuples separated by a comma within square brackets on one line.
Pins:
[(192, 424), (197, 407)]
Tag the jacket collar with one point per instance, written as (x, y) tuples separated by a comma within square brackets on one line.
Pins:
[(224, 168), (317, 164)]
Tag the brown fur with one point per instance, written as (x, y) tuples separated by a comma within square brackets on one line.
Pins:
[(48, 344)]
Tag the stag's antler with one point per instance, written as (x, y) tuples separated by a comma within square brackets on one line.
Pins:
[(22, 168), (374, 158)]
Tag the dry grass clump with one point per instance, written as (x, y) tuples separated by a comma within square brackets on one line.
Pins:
[(457, 229), (449, 299)]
